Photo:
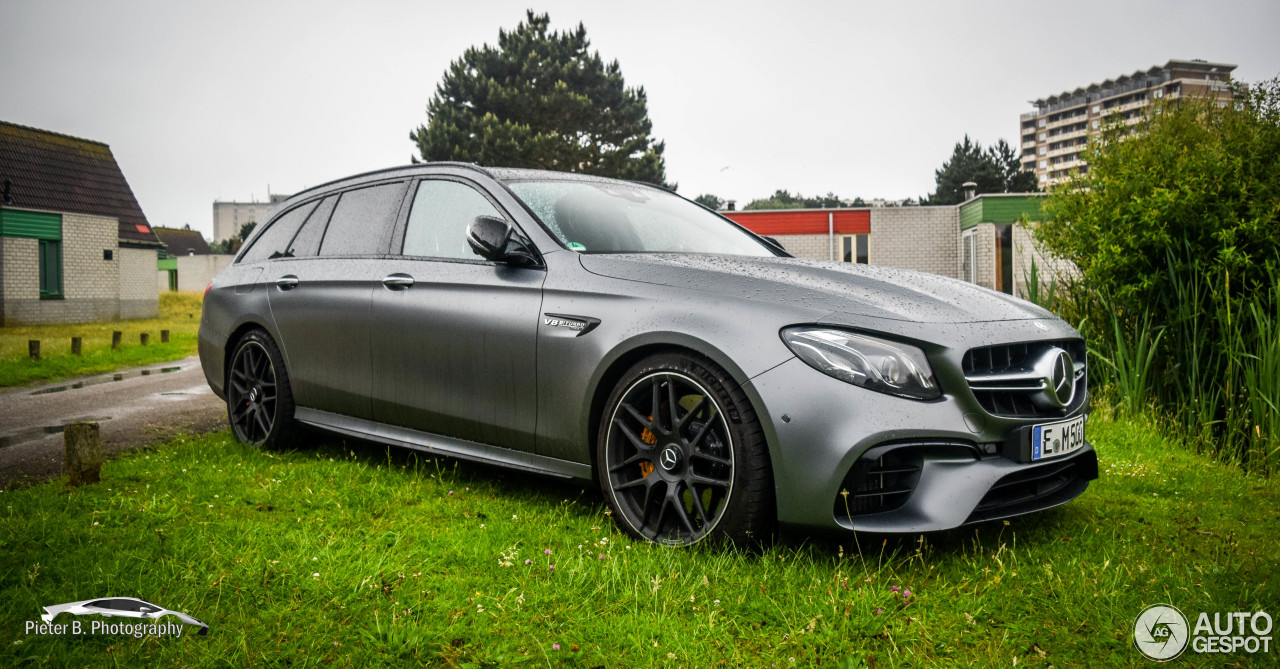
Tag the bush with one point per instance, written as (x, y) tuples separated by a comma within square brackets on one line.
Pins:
[(1176, 232)]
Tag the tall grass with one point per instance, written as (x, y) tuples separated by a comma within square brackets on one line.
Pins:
[(1205, 355), (1130, 355)]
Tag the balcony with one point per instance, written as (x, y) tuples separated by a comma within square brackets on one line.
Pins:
[(1068, 121)]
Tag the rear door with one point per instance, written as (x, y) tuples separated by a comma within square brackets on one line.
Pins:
[(320, 296), (455, 336)]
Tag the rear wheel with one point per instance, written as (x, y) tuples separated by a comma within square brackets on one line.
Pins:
[(259, 398), (682, 456)]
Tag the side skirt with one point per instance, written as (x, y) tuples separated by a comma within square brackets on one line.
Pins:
[(440, 445)]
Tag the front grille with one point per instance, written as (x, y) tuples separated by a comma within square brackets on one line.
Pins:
[(1004, 383)]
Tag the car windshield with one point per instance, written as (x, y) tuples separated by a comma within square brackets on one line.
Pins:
[(609, 217)]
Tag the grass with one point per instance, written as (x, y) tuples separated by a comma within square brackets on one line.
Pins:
[(179, 314), (349, 555)]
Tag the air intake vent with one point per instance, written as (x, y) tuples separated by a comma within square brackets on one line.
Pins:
[(879, 484)]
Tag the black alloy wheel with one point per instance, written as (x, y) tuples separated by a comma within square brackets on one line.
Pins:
[(676, 465), (259, 400)]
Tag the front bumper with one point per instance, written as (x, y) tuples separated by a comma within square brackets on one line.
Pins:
[(823, 433)]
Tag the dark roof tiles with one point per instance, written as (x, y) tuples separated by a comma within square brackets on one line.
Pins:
[(183, 242), (62, 173)]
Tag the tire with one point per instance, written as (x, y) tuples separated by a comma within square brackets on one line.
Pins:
[(700, 475), (259, 398)]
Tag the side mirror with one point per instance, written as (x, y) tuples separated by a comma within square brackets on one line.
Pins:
[(494, 239)]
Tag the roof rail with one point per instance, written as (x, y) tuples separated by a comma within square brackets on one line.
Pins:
[(440, 163)]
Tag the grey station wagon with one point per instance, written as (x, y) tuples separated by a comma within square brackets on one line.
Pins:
[(712, 385)]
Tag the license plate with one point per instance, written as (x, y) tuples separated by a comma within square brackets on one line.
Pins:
[(1054, 439)]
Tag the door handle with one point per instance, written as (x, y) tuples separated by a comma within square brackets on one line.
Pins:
[(287, 282), (398, 281)]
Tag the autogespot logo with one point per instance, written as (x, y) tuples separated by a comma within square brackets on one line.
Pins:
[(1162, 633)]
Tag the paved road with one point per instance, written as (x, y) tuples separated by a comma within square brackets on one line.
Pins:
[(145, 405)]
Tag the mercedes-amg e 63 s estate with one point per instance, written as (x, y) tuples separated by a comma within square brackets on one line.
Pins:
[(712, 385)]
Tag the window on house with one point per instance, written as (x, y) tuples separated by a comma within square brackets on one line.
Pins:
[(969, 268), (50, 260), (1004, 258), (854, 249)]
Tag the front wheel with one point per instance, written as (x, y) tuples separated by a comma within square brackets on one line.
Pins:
[(259, 398), (682, 456)]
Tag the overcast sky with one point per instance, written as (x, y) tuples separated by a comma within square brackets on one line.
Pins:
[(219, 100)]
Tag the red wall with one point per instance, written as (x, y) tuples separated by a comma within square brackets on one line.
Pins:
[(773, 223)]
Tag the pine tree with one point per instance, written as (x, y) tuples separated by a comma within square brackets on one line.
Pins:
[(541, 99), (997, 169)]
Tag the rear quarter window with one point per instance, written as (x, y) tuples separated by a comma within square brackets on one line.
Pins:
[(274, 240), (307, 242)]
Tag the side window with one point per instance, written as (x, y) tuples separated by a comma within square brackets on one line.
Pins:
[(438, 222), (307, 242), (274, 241), (362, 220)]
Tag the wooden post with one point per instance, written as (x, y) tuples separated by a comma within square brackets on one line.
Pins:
[(83, 445), (144, 337), (33, 348), (164, 336), (75, 346), (115, 340)]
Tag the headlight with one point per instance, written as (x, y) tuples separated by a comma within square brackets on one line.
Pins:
[(875, 364)]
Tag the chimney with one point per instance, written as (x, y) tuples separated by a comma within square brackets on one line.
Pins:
[(970, 190), (730, 205), (8, 192)]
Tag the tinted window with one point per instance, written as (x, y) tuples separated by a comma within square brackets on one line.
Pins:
[(274, 241), (361, 223), (438, 222), (307, 241)]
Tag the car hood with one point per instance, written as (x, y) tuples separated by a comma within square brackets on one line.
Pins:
[(861, 290)]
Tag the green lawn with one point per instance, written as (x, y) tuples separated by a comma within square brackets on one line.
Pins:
[(179, 314), (348, 555)]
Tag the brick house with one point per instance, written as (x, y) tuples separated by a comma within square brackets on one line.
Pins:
[(74, 244), (985, 240)]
